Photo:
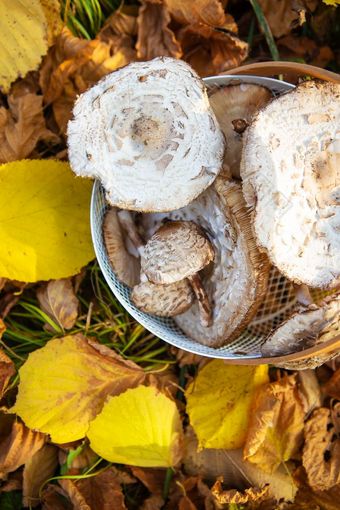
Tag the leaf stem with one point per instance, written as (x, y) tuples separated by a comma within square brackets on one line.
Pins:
[(167, 481)]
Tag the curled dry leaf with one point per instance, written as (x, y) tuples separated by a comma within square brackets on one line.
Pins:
[(18, 446), (332, 386), (7, 368), (73, 64), (63, 407), (38, 468), (307, 499), (102, 492), (155, 38), (119, 24), (53, 499), (286, 15), (186, 12), (28, 26), (44, 228), (275, 431), (292, 46), (22, 126), (219, 402), (237, 497), (210, 463), (58, 300), (190, 493), (133, 439), (153, 480), (210, 51), (321, 451)]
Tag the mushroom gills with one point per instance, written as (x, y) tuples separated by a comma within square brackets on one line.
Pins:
[(178, 250), (309, 326), (234, 107)]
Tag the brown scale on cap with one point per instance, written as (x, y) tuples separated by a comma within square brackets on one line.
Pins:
[(179, 250)]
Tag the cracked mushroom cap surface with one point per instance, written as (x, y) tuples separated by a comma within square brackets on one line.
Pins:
[(236, 281), (234, 107), (124, 263), (177, 250), (305, 328), (291, 177), (147, 132), (163, 300)]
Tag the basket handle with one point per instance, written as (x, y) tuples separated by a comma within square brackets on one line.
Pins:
[(272, 68)]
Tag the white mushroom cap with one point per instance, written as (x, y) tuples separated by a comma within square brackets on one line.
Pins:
[(177, 250), (234, 107), (147, 132), (291, 172), (163, 300), (307, 327), (125, 264), (237, 280)]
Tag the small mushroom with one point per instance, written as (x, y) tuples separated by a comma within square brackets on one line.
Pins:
[(309, 326), (163, 300), (179, 250), (291, 178), (148, 133), (160, 300), (125, 264), (234, 107), (236, 282)]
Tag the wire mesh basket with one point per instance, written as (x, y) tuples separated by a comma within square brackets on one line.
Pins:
[(280, 299)]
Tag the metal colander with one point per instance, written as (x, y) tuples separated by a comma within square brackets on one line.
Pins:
[(280, 298)]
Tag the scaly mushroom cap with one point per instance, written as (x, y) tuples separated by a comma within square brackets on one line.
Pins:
[(291, 176), (307, 327), (163, 300), (148, 133), (234, 107), (237, 280), (125, 264), (177, 250)]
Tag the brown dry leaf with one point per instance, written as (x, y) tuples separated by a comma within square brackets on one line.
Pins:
[(22, 126), (211, 51), (187, 358), (307, 499), (292, 46), (234, 496), (153, 480), (53, 499), (2, 283), (309, 390), (38, 468), (187, 12), (321, 451), (83, 460), (332, 386), (275, 432), (190, 493), (119, 24), (283, 15), (73, 65), (102, 492), (155, 38), (58, 300), (18, 446), (13, 482), (7, 368)]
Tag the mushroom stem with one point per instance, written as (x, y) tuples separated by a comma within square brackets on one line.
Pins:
[(202, 298), (303, 295), (127, 223)]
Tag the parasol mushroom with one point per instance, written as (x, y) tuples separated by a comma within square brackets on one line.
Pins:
[(291, 177), (309, 326), (160, 300), (147, 132), (236, 282), (234, 107), (179, 250)]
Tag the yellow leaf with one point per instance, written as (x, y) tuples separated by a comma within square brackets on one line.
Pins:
[(335, 3), (44, 228), (140, 427), (64, 385), (219, 401), (27, 27)]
